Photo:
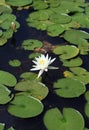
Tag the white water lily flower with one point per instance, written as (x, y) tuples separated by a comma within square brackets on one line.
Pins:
[(42, 63)]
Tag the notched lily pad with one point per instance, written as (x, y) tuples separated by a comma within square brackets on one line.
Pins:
[(69, 88), (72, 62), (24, 106), (31, 44), (55, 120), (76, 36), (78, 73), (66, 52), (7, 78), (33, 88), (5, 94)]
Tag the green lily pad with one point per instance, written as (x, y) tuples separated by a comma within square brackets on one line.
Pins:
[(72, 62), (18, 2), (76, 36), (15, 63), (66, 52), (78, 73), (69, 88), (11, 128), (33, 88), (30, 76), (33, 55), (7, 79), (5, 96), (1, 32), (87, 109), (39, 15), (25, 106), (38, 5), (55, 120), (81, 19), (55, 30), (31, 44), (87, 95), (60, 18), (2, 125), (4, 8)]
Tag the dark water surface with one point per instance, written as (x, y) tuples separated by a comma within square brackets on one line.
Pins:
[(12, 50)]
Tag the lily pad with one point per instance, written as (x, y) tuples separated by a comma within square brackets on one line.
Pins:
[(31, 44), (11, 128), (66, 52), (78, 73), (30, 76), (60, 18), (55, 30), (18, 3), (33, 88), (7, 78), (15, 63), (87, 95), (72, 62), (55, 120), (76, 36), (2, 125), (69, 88), (5, 94), (38, 5), (33, 55), (87, 109), (25, 106)]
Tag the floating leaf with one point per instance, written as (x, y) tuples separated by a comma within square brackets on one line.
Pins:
[(60, 18), (55, 30), (66, 52), (30, 76), (18, 3), (87, 109), (37, 5), (7, 79), (2, 125), (15, 63), (80, 74), (25, 106), (72, 62), (33, 55), (5, 94), (87, 95), (33, 88), (69, 88), (81, 19), (54, 120), (11, 128), (31, 44), (76, 36)]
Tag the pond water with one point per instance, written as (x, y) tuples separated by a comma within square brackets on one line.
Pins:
[(13, 50)]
